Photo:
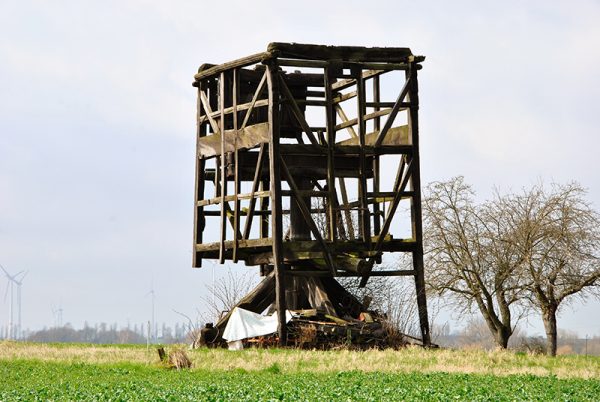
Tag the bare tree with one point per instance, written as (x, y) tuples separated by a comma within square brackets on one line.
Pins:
[(558, 232), (226, 292), (391, 296), (470, 256)]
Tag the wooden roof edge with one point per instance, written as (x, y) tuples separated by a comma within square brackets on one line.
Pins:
[(314, 52), (209, 70), (344, 53)]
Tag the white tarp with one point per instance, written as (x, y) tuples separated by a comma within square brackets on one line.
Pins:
[(244, 324)]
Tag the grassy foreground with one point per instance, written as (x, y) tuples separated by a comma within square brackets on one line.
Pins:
[(86, 372)]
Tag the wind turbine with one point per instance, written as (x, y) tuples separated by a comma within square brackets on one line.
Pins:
[(19, 283), (14, 280), (152, 294), (58, 316)]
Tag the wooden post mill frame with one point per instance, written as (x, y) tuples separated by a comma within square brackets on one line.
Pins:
[(259, 159)]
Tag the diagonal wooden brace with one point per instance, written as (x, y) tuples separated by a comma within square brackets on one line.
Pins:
[(399, 190), (307, 217), (297, 112), (390, 120)]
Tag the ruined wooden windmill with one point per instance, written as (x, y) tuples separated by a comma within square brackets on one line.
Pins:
[(304, 155)]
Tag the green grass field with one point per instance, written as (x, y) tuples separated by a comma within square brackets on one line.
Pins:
[(86, 372)]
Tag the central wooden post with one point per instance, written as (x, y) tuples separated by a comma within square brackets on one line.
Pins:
[(276, 210), (299, 230)]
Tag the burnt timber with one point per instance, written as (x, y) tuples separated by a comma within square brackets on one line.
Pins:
[(301, 167)]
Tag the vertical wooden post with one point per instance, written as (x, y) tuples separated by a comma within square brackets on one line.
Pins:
[(299, 230), (199, 219), (276, 215), (223, 166), (236, 191), (365, 218), (263, 226), (376, 177), (416, 214), (330, 126)]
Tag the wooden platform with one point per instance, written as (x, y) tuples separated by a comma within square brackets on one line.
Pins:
[(348, 255)]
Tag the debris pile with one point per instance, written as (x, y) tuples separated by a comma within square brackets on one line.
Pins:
[(306, 329)]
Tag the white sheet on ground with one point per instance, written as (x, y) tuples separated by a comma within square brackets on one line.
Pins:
[(244, 324), (235, 345)]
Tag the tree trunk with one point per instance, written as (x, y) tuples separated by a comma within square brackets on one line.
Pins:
[(502, 336), (549, 317), (500, 332)]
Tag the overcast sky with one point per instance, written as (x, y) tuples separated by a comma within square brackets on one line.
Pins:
[(97, 126)]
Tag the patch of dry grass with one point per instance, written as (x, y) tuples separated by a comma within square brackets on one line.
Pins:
[(293, 361), (72, 353)]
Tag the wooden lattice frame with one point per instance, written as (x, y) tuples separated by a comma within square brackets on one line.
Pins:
[(248, 117)]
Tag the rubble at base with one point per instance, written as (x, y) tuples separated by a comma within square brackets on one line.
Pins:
[(311, 329)]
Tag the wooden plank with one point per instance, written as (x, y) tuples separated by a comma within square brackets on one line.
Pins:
[(236, 181), (199, 183), (309, 149), (405, 272), (261, 245), (244, 106), (302, 63), (348, 53), (347, 212), (275, 184), (377, 105), (309, 165), (317, 296), (317, 258), (247, 138), (394, 113), (315, 94), (416, 213), (306, 193), (243, 212), (223, 193), (339, 98), (365, 65), (343, 84), (255, 183), (345, 119), (345, 303), (310, 102), (243, 62), (376, 167), (255, 101), (209, 112), (247, 196), (365, 116), (395, 136), (263, 222), (364, 213), (303, 79), (403, 182), (254, 135), (355, 205), (330, 126)]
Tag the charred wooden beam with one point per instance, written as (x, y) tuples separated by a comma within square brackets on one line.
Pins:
[(349, 53)]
